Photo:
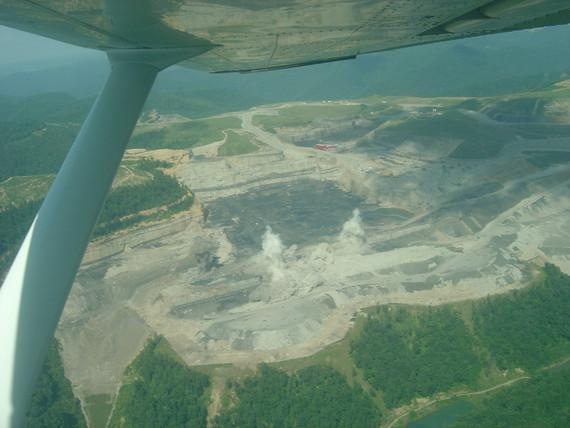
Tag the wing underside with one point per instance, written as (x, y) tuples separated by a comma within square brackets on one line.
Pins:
[(247, 35), (250, 35)]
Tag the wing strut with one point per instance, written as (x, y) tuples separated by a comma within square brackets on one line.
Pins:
[(35, 290)]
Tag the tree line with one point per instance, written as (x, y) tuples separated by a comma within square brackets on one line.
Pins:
[(53, 403), (409, 352), (160, 391)]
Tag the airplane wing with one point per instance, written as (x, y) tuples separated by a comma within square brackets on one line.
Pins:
[(254, 35)]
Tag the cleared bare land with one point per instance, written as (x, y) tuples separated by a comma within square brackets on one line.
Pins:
[(286, 243)]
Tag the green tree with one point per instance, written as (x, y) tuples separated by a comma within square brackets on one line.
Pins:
[(53, 403), (316, 396), (160, 391)]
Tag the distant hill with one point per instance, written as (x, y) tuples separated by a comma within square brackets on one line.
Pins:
[(487, 65)]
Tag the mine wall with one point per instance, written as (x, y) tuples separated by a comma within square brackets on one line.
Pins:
[(109, 247)]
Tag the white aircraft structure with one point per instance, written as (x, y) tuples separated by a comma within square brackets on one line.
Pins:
[(143, 37)]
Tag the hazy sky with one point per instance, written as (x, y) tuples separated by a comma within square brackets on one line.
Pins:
[(20, 47)]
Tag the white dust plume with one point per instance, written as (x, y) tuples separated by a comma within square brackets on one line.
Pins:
[(352, 231), (273, 253)]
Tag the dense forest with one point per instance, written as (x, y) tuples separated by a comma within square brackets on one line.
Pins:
[(528, 328), (14, 223), (53, 403), (543, 401), (36, 132), (316, 396), (406, 354), (160, 391), (128, 201), (40, 152)]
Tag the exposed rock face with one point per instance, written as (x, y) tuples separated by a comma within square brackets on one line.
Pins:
[(116, 245), (291, 242)]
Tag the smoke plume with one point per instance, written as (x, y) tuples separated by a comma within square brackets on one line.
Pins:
[(352, 231), (273, 253)]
